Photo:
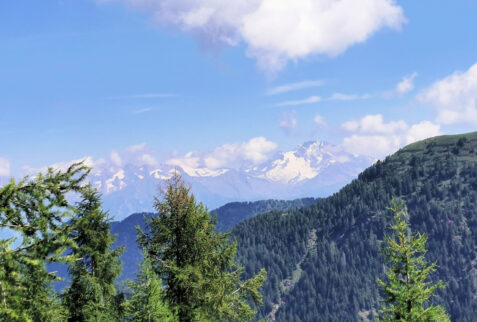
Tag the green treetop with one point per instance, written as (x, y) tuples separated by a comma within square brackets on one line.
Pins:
[(91, 295), (147, 302), (407, 290), (202, 281), (37, 211)]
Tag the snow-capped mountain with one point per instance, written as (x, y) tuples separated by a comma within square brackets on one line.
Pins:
[(314, 169)]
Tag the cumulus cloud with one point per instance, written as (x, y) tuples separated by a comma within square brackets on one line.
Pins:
[(454, 97), (288, 122), (277, 31), (136, 147), (319, 120), (374, 124), (148, 159), (189, 160), (294, 86), (406, 84), (253, 151), (421, 131), (372, 136), (4, 167), (116, 158)]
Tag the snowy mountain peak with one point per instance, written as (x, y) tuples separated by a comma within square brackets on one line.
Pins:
[(312, 169)]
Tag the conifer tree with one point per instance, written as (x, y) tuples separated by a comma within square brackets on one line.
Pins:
[(91, 295), (147, 302), (202, 280), (408, 290), (38, 212)]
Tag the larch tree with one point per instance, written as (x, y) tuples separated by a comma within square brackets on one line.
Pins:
[(36, 212), (147, 303), (196, 263), (408, 289), (91, 295)]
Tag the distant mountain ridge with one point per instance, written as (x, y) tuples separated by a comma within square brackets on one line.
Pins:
[(312, 169)]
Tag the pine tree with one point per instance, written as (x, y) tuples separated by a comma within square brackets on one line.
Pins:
[(147, 302), (38, 212), (202, 280), (91, 295), (408, 290)]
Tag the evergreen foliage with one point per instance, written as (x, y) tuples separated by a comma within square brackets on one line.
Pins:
[(91, 295), (37, 211), (407, 290), (227, 216), (202, 281), (147, 303)]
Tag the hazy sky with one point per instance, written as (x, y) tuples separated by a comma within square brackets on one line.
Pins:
[(154, 80)]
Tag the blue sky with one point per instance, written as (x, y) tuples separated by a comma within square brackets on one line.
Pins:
[(231, 81)]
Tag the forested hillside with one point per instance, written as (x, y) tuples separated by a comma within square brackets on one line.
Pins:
[(323, 261), (234, 212), (227, 216)]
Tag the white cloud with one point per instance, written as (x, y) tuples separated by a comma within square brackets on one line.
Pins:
[(277, 31), (406, 84), (372, 136), (309, 100), (421, 131), (142, 110), (140, 96), (136, 147), (4, 167), (319, 120), (63, 166), (333, 97), (294, 86), (116, 158), (288, 122), (372, 145), (148, 159), (254, 151), (189, 160), (372, 124), (347, 97), (454, 97)]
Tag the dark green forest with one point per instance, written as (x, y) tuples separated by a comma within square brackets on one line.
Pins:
[(323, 261)]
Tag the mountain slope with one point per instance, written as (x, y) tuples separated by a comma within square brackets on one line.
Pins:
[(227, 216), (312, 169), (334, 277)]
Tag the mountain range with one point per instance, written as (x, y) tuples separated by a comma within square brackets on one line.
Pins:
[(313, 169)]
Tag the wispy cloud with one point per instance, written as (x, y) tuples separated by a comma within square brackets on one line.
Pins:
[(143, 96), (289, 122), (333, 97), (143, 110), (4, 167), (295, 86), (309, 100), (347, 97)]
